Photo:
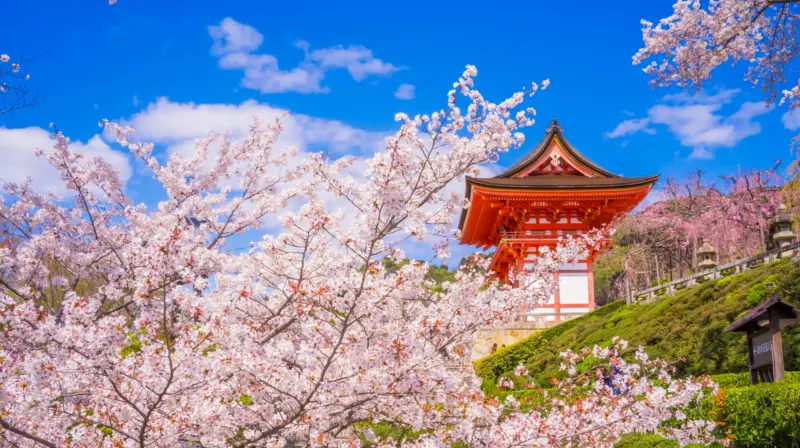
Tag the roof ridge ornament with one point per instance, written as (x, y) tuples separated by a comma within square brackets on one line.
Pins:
[(554, 126)]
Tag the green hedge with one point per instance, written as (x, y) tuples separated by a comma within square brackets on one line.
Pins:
[(645, 440), (760, 416), (733, 380), (650, 440), (764, 415)]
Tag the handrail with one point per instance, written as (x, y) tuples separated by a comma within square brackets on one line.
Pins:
[(739, 265)]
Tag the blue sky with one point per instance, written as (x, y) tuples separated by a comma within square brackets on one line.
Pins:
[(153, 63)]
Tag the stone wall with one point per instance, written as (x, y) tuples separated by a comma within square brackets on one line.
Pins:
[(506, 335)]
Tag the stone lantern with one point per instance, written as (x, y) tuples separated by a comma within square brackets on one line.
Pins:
[(780, 227), (706, 257)]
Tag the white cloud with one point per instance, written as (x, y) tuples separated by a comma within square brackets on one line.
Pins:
[(698, 121), (236, 44), (632, 126), (791, 119), (20, 162), (231, 36), (404, 92), (170, 123), (135, 101), (358, 60)]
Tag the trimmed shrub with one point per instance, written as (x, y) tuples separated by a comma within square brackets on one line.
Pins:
[(645, 440), (764, 415), (734, 380)]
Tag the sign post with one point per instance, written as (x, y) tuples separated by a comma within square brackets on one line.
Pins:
[(764, 345)]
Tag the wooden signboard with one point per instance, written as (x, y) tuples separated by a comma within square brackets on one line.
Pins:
[(761, 357), (764, 346)]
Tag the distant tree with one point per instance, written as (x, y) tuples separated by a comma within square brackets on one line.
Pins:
[(732, 214)]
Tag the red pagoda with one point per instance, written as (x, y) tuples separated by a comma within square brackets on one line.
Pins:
[(553, 191)]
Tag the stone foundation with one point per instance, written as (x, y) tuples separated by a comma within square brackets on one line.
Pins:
[(506, 335)]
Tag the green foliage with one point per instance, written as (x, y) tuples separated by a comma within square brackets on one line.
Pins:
[(686, 325), (211, 348), (645, 440), (659, 281), (387, 431), (245, 400), (440, 274), (135, 344), (650, 440), (607, 268), (764, 415), (734, 380), (756, 295)]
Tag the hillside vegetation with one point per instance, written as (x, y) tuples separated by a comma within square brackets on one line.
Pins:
[(687, 326)]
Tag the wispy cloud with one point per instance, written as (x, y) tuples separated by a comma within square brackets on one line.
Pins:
[(791, 119), (19, 160), (632, 126), (236, 44), (699, 122), (404, 92)]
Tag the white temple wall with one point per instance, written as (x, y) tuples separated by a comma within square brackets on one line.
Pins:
[(573, 288)]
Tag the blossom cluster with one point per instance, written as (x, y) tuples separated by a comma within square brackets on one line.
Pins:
[(696, 39), (129, 327)]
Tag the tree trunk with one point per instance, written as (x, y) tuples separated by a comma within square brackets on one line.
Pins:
[(658, 272), (746, 246), (628, 298)]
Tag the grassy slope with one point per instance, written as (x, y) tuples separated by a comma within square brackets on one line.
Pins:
[(688, 325)]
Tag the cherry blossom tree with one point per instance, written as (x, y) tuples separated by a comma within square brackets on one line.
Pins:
[(687, 46), (732, 214), (133, 327)]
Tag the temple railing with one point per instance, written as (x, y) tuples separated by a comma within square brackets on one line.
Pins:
[(724, 270), (537, 234)]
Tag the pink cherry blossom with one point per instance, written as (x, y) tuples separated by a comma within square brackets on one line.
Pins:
[(131, 327), (687, 46)]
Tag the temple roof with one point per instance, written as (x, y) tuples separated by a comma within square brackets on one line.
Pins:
[(558, 181), (554, 131), (553, 172)]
